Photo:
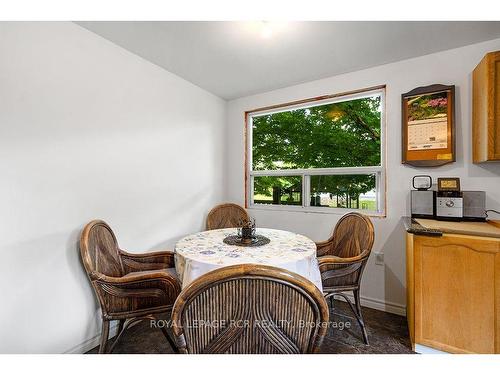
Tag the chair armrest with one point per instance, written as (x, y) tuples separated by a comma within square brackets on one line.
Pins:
[(332, 259), (147, 261), (140, 276), (136, 291), (322, 247), (344, 270), (141, 279)]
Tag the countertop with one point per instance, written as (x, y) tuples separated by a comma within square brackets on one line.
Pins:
[(490, 228)]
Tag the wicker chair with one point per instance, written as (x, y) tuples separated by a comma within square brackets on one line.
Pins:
[(342, 259), (129, 287), (226, 215), (259, 309)]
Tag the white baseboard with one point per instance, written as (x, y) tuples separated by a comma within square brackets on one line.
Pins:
[(93, 341), (381, 305), (422, 349)]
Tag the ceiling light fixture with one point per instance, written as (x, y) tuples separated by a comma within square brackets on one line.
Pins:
[(264, 29), (268, 29)]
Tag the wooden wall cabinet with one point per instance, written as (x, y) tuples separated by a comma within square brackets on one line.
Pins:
[(486, 109), (453, 293)]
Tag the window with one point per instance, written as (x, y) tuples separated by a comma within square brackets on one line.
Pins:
[(322, 155)]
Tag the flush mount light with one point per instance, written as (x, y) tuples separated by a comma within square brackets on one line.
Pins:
[(265, 29), (270, 28)]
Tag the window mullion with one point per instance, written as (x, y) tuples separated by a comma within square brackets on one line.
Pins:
[(317, 171), (251, 187), (306, 183)]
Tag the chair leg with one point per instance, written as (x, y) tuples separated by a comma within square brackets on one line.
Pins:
[(356, 310), (120, 325), (104, 336), (332, 300), (170, 340), (357, 303)]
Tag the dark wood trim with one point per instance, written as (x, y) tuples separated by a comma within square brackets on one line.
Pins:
[(245, 161), (314, 99), (384, 151)]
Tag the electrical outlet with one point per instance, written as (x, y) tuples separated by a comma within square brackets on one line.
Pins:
[(379, 259)]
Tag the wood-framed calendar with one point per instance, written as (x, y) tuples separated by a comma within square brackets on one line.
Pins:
[(428, 126)]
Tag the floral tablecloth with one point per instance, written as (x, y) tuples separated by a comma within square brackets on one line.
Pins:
[(203, 252)]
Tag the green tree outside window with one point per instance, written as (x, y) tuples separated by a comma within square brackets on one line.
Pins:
[(342, 134)]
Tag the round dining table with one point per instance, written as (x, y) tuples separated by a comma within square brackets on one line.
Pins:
[(202, 252)]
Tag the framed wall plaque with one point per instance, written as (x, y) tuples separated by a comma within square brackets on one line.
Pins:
[(428, 126)]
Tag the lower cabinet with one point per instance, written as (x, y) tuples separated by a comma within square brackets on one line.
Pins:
[(453, 293)]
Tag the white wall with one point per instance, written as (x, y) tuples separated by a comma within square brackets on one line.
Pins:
[(89, 130), (381, 284)]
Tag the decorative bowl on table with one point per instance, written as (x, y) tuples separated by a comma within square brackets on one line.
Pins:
[(246, 235)]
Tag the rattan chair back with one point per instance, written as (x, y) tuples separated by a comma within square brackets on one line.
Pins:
[(226, 215), (100, 251), (250, 309), (352, 235)]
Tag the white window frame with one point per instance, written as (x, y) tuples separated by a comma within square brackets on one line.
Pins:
[(378, 171)]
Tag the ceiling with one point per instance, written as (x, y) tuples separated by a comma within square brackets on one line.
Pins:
[(236, 59)]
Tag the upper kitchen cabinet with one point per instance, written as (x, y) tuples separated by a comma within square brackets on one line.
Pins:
[(486, 109)]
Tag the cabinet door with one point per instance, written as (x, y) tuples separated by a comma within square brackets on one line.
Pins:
[(486, 109), (456, 301)]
